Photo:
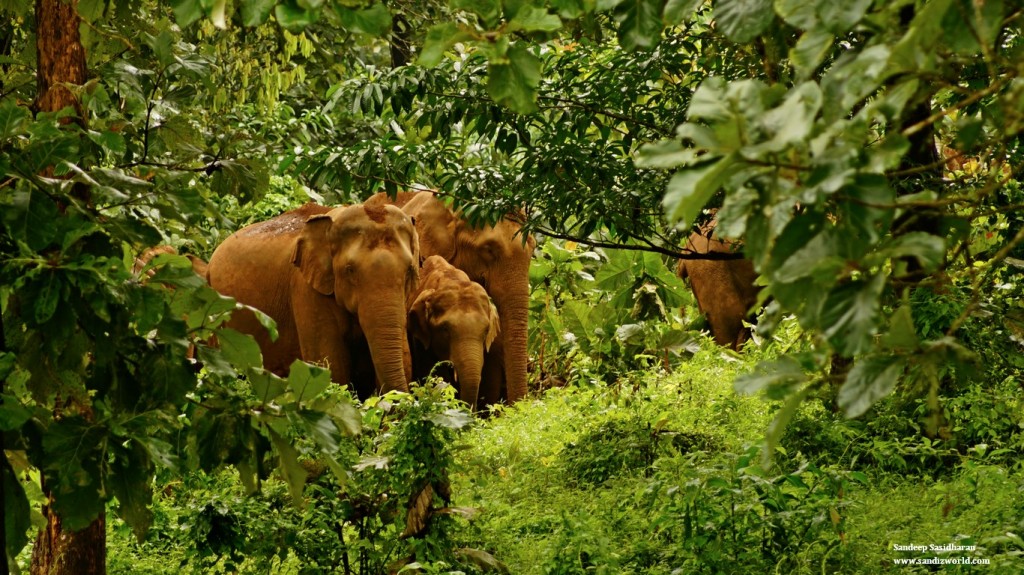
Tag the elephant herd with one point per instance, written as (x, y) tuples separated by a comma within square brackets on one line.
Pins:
[(379, 292)]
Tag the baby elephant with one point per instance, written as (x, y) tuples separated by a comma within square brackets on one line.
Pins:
[(451, 319)]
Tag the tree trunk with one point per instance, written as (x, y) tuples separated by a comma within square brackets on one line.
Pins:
[(401, 47), (61, 552), (60, 56), (60, 63)]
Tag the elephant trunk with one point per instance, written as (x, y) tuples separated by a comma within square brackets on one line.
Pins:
[(511, 296), (468, 358), (384, 328)]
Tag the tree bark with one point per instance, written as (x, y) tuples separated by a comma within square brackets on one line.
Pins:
[(61, 64), (60, 56), (401, 47)]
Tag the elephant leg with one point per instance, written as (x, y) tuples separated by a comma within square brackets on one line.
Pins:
[(492, 381), (322, 340)]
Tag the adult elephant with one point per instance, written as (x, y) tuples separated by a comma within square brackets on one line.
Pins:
[(724, 288), (335, 281), (498, 258)]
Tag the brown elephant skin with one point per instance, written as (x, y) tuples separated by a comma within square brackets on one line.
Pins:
[(724, 289), (498, 258), (451, 319), (335, 281)]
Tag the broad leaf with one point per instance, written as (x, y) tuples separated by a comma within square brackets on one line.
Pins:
[(871, 379), (291, 470), (640, 23), (131, 483), (691, 188), (775, 378), (743, 20), (513, 83), (680, 11), (31, 218), (307, 381), (16, 510), (534, 18), (851, 313), (256, 12), (14, 119), (375, 20), (240, 349)]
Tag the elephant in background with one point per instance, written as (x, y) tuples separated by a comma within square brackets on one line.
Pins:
[(335, 281), (498, 258), (724, 289), (451, 319)]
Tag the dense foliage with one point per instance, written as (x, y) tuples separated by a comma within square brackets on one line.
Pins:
[(865, 152)]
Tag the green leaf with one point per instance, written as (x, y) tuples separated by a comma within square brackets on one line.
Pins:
[(783, 416), (871, 379), (640, 23), (131, 483), (534, 18), (47, 297), (914, 51), (488, 10), (217, 15), (840, 17), (902, 334), (12, 413), (743, 20), (267, 386), (929, 250), (375, 20), (322, 429), (680, 11), (440, 39), (850, 315), (774, 377), (800, 14), (691, 188), (16, 510), (666, 154), (513, 83), (238, 348), (293, 17), (14, 119), (307, 381), (256, 12), (187, 11), (451, 418), (291, 470), (853, 78), (810, 50), (791, 123), (818, 257)]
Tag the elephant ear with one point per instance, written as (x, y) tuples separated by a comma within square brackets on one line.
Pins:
[(313, 255), (493, 328), (419, 317)]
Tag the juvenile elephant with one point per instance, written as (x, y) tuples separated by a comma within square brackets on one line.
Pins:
[(498, 258), (451, 319), (724, 288), (335, 281)]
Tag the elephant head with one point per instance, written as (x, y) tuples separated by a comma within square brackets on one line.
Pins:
[(453, 319), (724, 288), (495, 256), (335, 281), (365, 258)]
